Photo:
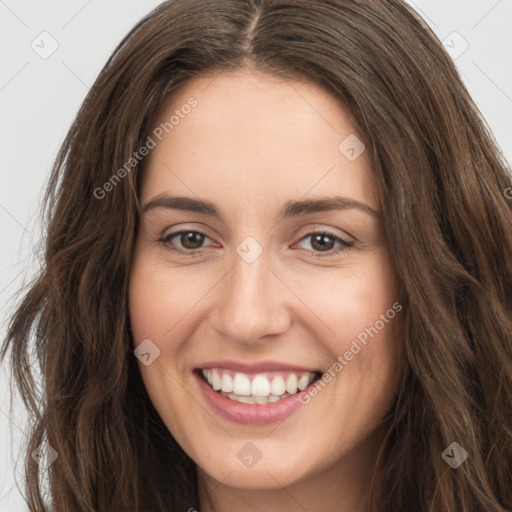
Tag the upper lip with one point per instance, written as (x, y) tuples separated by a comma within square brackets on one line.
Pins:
[(257, 367)]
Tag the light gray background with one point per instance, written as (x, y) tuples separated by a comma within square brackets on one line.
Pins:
[(39, 98)]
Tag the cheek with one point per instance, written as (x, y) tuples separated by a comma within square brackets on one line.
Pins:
[(359, 305), (152, 306), (352, 299), (157, 299), (144, 318)]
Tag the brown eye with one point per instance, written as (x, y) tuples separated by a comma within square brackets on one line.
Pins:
[(188, 240), (324, 242)]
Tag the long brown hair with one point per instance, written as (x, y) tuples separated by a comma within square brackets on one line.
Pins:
[(442, 182)]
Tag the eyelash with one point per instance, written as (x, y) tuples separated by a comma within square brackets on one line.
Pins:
[(345, 245)]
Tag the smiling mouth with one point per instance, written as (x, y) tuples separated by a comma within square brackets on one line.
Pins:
[(257, 388)]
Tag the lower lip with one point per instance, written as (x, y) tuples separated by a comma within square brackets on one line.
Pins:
[(248, 414)]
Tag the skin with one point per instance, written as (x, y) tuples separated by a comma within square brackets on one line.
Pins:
[(253, 142)]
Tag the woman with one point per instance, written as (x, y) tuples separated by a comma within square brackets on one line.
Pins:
[(277, 274)]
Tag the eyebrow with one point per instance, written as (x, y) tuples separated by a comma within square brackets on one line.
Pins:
[(290, 208)]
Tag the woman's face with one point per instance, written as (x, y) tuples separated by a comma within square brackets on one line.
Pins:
[(267, 287)]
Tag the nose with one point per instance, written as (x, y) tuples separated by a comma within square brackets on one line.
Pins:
[(251, 304)]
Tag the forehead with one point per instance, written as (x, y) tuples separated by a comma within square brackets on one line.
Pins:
[(258, 136)]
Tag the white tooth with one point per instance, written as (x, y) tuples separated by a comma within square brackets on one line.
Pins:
[(291, 383), (254, 399), (241, 385), (303, 381), (260, 386), (208, 375), (226, 383), (261, 399), (278, 387), (215, 380), (244, 399), (273, 398)]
